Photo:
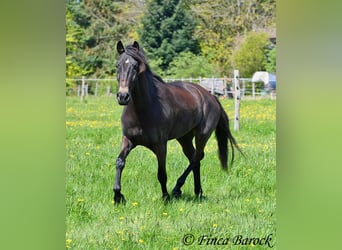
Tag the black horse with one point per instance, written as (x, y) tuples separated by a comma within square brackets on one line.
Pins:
[(156, 112)]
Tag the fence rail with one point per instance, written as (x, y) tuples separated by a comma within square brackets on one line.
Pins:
[(222, 86)]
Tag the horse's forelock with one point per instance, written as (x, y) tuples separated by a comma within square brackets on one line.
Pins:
[(136, 54), (139, 55)]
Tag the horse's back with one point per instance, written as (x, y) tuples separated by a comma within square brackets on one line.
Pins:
[(188, 88), (191, 91), (192, 100)]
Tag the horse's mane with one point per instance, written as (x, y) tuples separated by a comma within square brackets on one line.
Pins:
[(139, 55)]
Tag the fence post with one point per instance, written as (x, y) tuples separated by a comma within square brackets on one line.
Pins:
[(108, 90), (237, 101), (225, 83), (86, 89), (212, 86), (82, 88), (96, 86), (253, 89), (78, 90)]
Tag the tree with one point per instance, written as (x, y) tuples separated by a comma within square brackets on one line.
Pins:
[(250, 57), (167, 30), (93, 29), (75, 34), (222, 23)]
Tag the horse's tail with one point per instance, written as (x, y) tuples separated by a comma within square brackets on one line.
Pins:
[(223, 134)]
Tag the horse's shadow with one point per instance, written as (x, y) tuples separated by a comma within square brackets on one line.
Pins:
[(189, 198)]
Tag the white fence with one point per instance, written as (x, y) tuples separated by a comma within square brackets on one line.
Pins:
[(93, 86), (221, 86), (224, 86)]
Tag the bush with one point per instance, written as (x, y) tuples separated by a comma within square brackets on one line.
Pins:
[(188, 65), (271, 64), (250, 56)]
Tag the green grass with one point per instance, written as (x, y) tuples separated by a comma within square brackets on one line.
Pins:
[(240, 202)]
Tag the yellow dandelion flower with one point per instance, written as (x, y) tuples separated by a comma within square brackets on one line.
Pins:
[(181, 209), (135, 204), (119, 232), (80, 200), (121, 218), (215, 225), (68, 241), (141, 241), (164, 213)]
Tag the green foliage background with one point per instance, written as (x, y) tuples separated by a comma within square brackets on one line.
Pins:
[(213, 37)]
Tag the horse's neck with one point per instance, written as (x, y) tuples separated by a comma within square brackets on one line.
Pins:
[(145, 93)]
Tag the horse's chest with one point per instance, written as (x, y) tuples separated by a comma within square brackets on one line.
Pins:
[(141, 135), (143, 129)]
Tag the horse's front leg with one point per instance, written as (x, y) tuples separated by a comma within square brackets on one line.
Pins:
[(126, 147), (160, 152)]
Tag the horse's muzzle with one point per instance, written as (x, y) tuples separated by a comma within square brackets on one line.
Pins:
[(123, 98)]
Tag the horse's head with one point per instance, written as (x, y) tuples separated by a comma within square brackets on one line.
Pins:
[(129, 66)]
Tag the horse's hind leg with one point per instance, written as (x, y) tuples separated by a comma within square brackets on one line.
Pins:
[(188, 150), (200, 142)]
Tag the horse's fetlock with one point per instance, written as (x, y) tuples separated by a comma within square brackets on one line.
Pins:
[(117, 189)]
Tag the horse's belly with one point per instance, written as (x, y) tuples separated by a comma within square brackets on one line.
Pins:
[(181, 128)]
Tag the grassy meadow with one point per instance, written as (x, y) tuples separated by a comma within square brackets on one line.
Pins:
[(239, 203)]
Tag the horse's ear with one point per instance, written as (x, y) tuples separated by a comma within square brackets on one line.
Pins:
[(136, 45), (120, 48)]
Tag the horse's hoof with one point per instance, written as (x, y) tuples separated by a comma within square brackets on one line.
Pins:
[(119, 199), (166, 197), (198, 193), (201, 197), (176, 193)]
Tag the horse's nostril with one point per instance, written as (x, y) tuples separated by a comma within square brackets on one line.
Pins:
[(126, 97), (123, 98)]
